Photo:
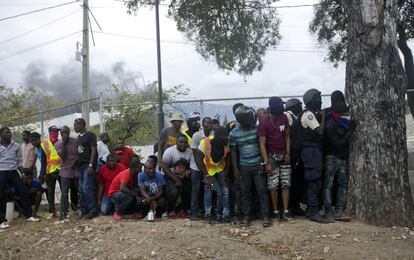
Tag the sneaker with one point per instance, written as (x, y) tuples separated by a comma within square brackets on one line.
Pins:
[(137, 215), (207, 219), (151, 216), (218, 220), (50, 216), (286, 216), (341, 216), (32, 219), (182, 214), (4, 225), (172, 215), (276, 214), (91, 215), (246, 221), (329, 215), (62, 217), (266, 222), (319, 219), (227, 220), (164, 216), (117, 216)]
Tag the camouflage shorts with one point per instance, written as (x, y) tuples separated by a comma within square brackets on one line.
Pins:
[(280, 174)]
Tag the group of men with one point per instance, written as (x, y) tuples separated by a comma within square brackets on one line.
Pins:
[(241, 168)]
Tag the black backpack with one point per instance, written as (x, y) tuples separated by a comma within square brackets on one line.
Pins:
[(295, 135)]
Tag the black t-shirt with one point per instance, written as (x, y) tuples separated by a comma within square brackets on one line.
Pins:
[(85, 143)]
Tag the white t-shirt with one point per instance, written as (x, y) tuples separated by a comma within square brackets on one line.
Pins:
[(290, 117), (195, 141), (309, 120), (103, 150), (172, 155)]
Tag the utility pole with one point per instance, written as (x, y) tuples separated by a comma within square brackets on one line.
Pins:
[(85, 63), (160, 103)]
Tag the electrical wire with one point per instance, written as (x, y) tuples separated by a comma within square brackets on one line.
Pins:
[(37, 28), (38, 10), (38, 46)]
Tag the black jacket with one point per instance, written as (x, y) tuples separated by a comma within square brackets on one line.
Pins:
[(336, 140)]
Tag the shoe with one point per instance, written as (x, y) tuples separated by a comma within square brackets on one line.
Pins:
[(62, 217), (207, 219), (4, 225), (341, 216), (172, 215), (276, 215), (117, 216), (73, 206), (182, 214), (137, 215), (164, 216), (218, 220), (246, 221), (319, 219), (227, 220), (151, 216), (32, 219), (286, 216), (329, 215), (91, 215), (267, 222), (51, 215)]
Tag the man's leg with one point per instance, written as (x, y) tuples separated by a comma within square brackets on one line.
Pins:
[(90, 190), (260, 184), (51, 186), (161, 206), (122, 202), (208, 200), (186, 194), (74, 194), (285, 173), (82, 194), (64, 200), (245, 192), (342, 182), (37, 201), (332, 165), (21, 191), (172, 195), (225, 198), (3, 200), (106, 205), (195, 192)]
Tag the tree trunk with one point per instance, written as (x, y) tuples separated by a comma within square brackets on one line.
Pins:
[(379, 191), (409, 69)]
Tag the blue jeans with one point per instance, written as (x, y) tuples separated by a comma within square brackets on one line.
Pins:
[(124, 203), (223, 198), (87, 192), (106, 205), (335, 168), (196, 181)]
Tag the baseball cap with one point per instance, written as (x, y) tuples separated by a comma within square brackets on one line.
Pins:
[(54, 128)]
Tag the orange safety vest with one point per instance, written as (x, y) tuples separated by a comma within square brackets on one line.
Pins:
[(53, 160), (212, 167)]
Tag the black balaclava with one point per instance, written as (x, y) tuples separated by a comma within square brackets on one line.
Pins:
[(276, 106), (296, 109), (337, 96), (316, 102), (218, 144), (192, 126)]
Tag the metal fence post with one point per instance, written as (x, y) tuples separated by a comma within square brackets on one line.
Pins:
[(42, 124), (101, 114), (201, 108)]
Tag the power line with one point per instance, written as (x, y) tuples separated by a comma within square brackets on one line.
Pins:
[(38, 10), (37, 28), (38, 46), (28, 4)]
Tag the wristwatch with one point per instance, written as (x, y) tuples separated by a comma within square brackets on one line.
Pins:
[(90, 165), (264, 163)]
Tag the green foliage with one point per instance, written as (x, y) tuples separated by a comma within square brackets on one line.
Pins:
[(330, 26), (133, 116), (236, 34)]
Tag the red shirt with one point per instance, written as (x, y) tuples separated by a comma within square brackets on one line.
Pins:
[(122, 177), (106, 175), (126, 156), (273, 128)]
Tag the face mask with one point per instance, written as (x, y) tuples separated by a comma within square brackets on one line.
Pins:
[(277, 111)]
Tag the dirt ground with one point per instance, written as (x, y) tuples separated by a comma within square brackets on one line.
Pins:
[(103, 238)]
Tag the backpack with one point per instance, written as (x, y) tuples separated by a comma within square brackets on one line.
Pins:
[(295, 135)]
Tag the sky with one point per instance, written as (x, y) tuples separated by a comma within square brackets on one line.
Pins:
[(132, 61)]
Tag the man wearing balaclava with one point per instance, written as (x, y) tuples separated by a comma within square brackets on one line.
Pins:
[(274, 141), (336, 96), (312, 122), (246, 160)]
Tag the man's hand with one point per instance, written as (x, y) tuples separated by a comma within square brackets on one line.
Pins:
[(236, 173), (187, 173), (269, 168), (208, 181), (90, 170), (287, 158)]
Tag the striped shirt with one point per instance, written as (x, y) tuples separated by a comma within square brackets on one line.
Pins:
[(248, 145), (10, 157)]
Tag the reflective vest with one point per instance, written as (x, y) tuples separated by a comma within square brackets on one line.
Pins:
[(188, 137), (53, 159), (212, 167)]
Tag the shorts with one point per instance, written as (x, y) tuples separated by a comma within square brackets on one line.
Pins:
[(281, 173)]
